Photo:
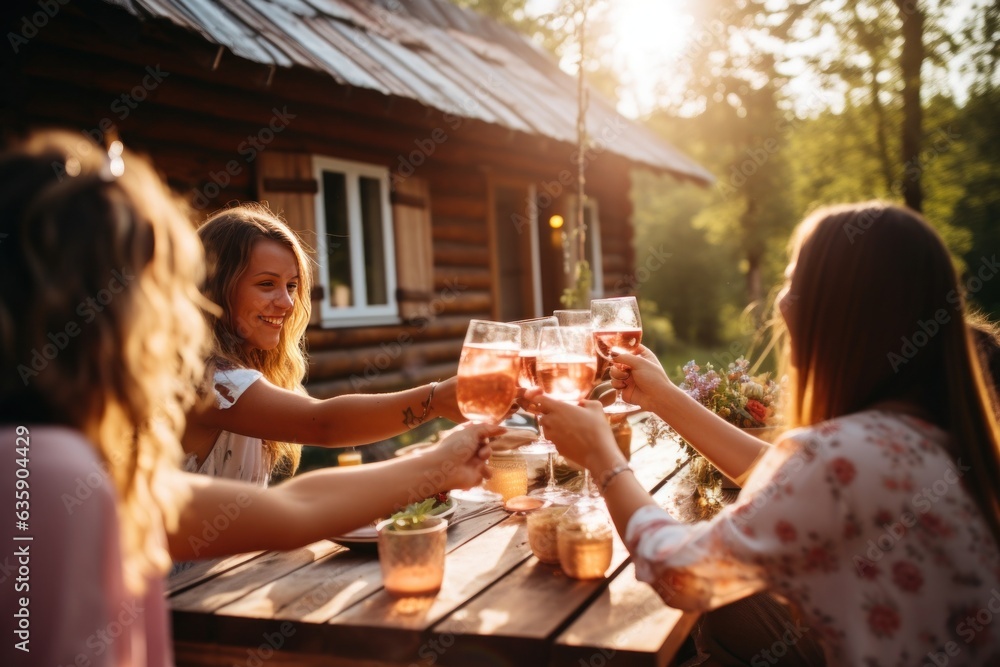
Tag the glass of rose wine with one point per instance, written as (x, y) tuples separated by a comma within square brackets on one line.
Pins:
[(531, 336), (617, 326), (566, 368), (487, 382)]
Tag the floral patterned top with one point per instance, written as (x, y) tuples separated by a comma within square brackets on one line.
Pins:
[(863, 524), (233, 456)]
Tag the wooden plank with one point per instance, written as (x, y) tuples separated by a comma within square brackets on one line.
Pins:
[(202, 571), (454, 206), (628, 622), (462, 230), (321, 590), (327, 364), (460, 254), (522, 611), (440, 328), (394, 628), (381, 382), (199, 654), (466, 277), (240, 580)]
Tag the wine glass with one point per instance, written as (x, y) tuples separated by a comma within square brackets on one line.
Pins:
[(528, 378), (616, 325), (566, 368), (531, 331), (487, 382)]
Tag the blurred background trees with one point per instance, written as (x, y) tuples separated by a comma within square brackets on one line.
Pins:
[(792, 105)]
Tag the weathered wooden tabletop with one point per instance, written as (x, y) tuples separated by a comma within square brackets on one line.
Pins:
[(324, 604)]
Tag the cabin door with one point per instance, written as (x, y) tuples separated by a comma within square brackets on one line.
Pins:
[(516, 256)]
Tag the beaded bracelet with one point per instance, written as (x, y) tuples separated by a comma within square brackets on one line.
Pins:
[(614, 472)]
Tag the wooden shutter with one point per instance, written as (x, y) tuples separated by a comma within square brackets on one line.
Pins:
[(287, 185), (411, 217)]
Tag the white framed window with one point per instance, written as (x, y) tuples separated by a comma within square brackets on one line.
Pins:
[(356, 250)]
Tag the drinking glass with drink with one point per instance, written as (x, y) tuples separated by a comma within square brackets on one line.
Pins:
[(616, 326), (488, 372), (566, 368), (531, 335)]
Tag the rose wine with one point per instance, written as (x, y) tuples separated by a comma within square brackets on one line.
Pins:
[(487, 381), (528, 377), (567, 377), (626, 340)]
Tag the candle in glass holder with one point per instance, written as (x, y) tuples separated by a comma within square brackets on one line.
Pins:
[(412, 559), (510, 475), (585, 543), (349, 459), (543, 525)]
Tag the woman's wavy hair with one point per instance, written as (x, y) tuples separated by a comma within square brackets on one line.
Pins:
[(228, 237), (875, 313), (105, 268)]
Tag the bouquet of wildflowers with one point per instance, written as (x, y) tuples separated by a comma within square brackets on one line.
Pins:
[(741, 399)]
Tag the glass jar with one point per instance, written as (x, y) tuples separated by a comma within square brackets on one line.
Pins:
[(585, 542), (510, 475), (412, 559), (543, 526), (622, 430)]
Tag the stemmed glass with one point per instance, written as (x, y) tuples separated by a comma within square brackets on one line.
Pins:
[(528, 379), (487, 382), (531, 335), (616, 325), (566, 368)]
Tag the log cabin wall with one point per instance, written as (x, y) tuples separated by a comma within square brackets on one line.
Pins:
[(197, 109)]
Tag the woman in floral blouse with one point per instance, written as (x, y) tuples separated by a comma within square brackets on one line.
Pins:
[(876, 516)]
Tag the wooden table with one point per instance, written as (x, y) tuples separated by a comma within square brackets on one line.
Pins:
[(325, 605)]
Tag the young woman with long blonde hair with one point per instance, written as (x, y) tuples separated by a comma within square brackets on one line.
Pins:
[(260, 275), (102, 344), (877, 515)]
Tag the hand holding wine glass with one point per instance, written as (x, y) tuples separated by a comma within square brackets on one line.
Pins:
[(487, 381), (617, 327)]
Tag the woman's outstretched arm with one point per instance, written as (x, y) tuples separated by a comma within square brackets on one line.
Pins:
[(271, 413), (220, 517), (730, 449)]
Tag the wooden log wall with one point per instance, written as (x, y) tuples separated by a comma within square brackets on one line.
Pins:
[(198, 118)]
